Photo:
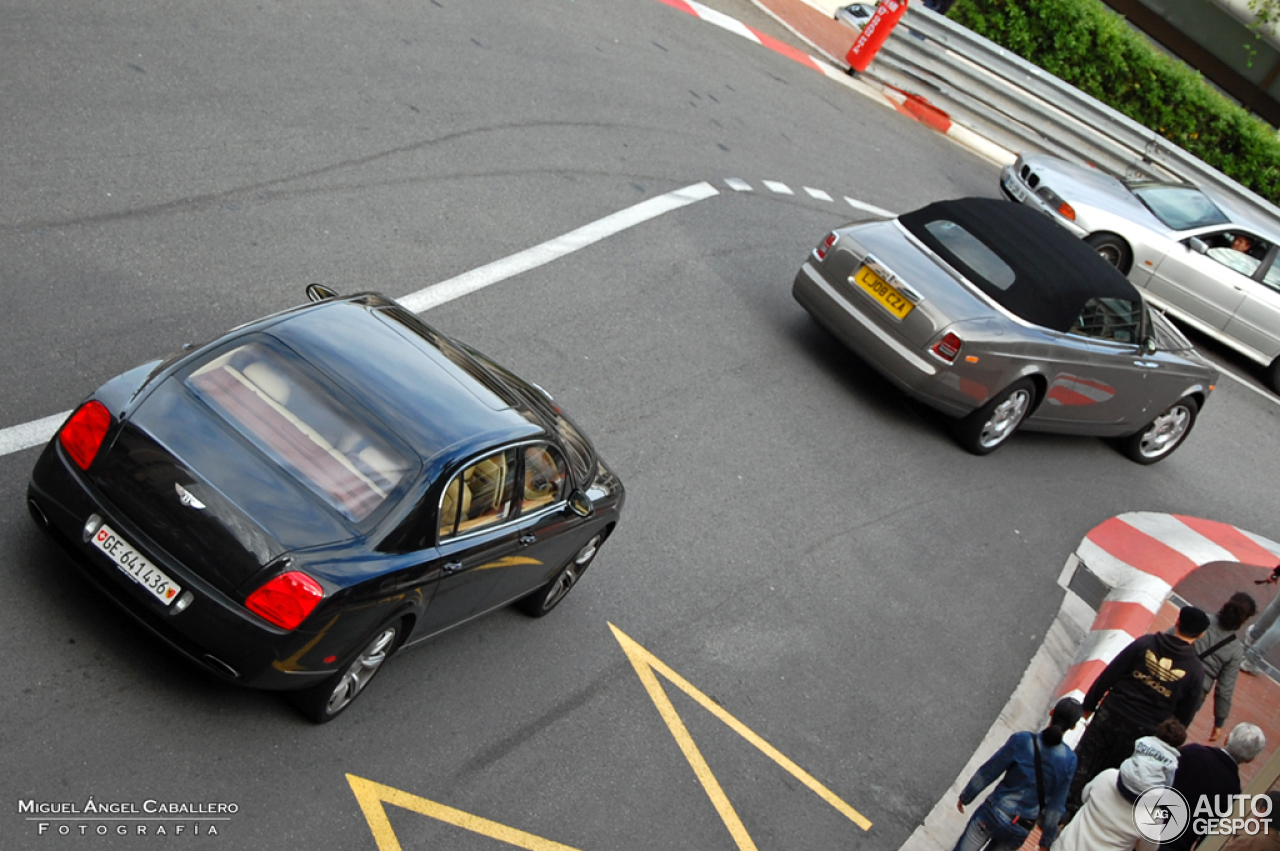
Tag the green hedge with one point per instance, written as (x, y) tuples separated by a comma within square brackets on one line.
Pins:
[(1091, 47)]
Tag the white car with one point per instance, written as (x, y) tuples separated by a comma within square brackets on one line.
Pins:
[(855, 15), (1193, 255)]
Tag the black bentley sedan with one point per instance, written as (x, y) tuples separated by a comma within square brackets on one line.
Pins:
[(292, 503)]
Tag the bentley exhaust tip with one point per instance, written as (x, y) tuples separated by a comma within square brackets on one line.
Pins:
[(219, 665), (37, 514)]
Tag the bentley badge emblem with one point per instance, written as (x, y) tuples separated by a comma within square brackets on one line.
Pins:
[(185, 497)]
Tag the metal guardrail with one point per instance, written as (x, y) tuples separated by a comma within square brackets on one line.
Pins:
[(1023, 107)]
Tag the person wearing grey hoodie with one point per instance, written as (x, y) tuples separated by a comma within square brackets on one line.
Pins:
[(1221, 653), (1105, 821)]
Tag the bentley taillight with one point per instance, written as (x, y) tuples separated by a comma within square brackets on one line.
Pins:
[(286, 600), (83, 434)]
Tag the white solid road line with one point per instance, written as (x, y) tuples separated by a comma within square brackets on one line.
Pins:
[(531, 258), (27, 435), (870, 208), (19, 437), (1244, 382)]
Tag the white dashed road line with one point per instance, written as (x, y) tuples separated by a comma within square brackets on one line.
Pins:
[(37, 432)]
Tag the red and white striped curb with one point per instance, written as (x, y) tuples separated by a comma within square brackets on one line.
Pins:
[(736, 27), (905, 103), (1141, 556)]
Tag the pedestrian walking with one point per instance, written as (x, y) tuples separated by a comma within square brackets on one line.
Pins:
[(1221, 652), (1155, 677), (1035, 771), (1208, 773), (1105, 820), (1265, 633)]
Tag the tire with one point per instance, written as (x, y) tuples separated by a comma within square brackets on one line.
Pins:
[(327, 700), (1163, 434), (986, 429), (1113, 249), (1273, 376), (546, 598)]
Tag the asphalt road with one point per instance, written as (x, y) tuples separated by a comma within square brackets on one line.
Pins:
[(805, 548)]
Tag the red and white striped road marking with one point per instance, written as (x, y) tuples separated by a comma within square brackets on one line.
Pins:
[(736, 27), (1141, 556), (908, 104)]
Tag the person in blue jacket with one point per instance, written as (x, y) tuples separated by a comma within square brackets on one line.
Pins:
[(1006, 817)]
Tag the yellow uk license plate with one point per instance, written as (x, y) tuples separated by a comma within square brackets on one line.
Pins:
[(893, 301)]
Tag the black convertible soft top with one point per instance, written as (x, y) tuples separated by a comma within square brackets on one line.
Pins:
[(1054, 273)]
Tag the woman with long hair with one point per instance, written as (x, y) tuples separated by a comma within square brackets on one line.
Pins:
[(1036, 771)]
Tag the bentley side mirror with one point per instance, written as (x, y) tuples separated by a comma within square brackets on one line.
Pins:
[(581, 504), (1198, 245), (319, 292)]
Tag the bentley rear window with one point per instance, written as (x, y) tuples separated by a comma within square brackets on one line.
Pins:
[(302, 425), (973, 252), (1179, 207)]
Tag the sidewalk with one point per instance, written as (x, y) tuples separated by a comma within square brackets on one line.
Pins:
[(1136, 569)]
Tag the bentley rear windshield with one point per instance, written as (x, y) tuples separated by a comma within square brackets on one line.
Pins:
[(296, 420)]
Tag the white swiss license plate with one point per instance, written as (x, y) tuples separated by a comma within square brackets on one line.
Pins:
[(135, 566)]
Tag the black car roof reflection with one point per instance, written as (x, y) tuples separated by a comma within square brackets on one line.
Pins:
[(374, 349)]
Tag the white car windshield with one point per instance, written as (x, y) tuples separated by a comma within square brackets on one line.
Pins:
[(1179, 207)]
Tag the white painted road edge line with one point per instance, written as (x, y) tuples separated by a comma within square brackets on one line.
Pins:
[(27, 435), (870, 208), (531, 258), (19, 437)]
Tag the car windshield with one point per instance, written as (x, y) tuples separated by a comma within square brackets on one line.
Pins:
[(301, 424), (1179, 207)]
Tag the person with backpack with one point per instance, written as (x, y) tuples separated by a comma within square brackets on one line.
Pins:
[(1221, 652)]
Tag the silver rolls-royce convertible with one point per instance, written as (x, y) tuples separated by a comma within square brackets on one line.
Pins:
[(990, 312)]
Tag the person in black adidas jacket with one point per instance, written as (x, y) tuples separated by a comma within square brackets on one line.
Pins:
[(1155, 677)]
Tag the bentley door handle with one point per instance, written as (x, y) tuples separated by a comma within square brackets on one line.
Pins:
[(452, 567), (528, 538)]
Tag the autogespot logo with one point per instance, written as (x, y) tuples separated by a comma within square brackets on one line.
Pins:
[(1161, 814)]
